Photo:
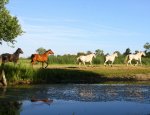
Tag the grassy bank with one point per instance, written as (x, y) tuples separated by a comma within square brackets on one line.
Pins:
[(25, 74)]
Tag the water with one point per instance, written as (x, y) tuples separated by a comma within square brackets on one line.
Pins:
[(76, 99)]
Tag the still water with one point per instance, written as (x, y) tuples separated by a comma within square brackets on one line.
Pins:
[(76, 99)]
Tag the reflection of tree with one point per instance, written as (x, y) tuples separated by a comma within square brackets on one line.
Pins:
[(10, 107)]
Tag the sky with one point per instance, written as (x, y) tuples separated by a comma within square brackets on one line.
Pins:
[(72, 26)]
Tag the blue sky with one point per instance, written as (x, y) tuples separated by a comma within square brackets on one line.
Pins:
[(71, 26)]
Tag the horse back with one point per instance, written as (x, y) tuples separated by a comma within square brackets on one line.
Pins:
[(6, 57), (39, 57)]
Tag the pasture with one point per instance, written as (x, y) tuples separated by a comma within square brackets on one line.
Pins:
[(23, 73)]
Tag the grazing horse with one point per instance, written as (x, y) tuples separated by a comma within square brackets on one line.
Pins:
[(41, 58), (87, 58), (110, 58), (6, 57), (136, 57)]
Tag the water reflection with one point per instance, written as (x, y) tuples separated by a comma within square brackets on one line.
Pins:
[(76, 99), (81, 92), (10, 107)]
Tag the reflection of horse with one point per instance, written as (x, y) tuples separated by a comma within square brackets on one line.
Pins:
[(11, 57), (87, 58), (110, 58), (136, 57), (41, 58), (43, 100)]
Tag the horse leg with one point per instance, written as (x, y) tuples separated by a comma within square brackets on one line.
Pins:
[(79, 64), (111, 64), (136, 63), (46, 64), (140, 62), (84, 64), (129, 62), (105, 63), (91, 64), (42, 64), (32, 64)]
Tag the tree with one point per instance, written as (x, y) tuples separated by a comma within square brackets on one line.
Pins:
[(9, 25), (136, 51), (99, 52), (119, 54), (41, 50), (80, 53), (2, 3), (147, 47), (88, 52), (128, 51)]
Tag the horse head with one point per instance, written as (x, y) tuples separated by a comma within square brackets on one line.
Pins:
[(50, 51), (19, 50), (142, 53), (115, 54), (94, 55)]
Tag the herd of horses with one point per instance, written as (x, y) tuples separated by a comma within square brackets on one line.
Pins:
[(83, 59)]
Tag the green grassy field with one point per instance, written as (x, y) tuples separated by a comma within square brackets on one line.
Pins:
[(23, 73)]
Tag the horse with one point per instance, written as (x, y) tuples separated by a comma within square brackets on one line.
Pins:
[(41, 58), (6, 57), (87, 58), (110, 58), (136, 57)]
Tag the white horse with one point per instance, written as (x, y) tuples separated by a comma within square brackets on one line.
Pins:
[(136, 57), (86, 59), (110, 58)]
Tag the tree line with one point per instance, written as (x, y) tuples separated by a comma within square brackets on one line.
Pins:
[(100, 58)]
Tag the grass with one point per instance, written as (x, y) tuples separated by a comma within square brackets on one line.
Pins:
[(23, 73)]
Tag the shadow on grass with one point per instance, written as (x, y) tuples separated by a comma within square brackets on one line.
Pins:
[(27, 75), (59, 75)]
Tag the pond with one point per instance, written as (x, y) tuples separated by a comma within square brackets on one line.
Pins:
[(76, 99)]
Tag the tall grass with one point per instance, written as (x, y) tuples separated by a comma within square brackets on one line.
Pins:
[(71, 59), (18, 72)]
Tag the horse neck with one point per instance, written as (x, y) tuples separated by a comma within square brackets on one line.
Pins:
[(139, 54), (91, 55), (46, 53), (16, 53), (114, 55)]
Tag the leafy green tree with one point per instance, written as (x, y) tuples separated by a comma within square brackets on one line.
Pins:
[(128, 51), (147, 47), (2, 3), (99, 52), (136, 51), (88, 52), (80, 53), (119, 54), (9, 25), (41, 50)]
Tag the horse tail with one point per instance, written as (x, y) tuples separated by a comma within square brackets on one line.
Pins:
[(78, 59), (32, 56), (126, 59)]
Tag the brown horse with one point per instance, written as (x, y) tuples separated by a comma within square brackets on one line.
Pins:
[(41, 58), (6, 57)]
